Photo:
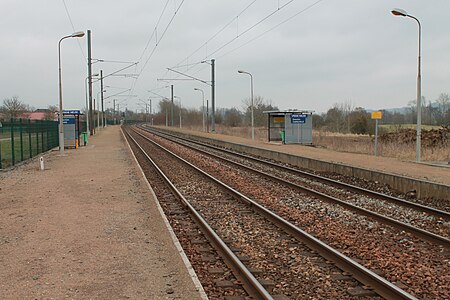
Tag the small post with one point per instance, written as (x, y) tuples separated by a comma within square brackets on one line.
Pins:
[(13, 158), (41, 163), (29, 138), (376, 115), (376, 136), (21, 138)]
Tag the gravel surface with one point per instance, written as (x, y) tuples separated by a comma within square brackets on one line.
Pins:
[(421, 267), (404, 214), (295, 271), (86, 228)]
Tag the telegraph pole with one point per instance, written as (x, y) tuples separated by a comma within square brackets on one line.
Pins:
[(114, 111), (151, 113), (171, 108), (89, 50), (101, 86), (213, 96)]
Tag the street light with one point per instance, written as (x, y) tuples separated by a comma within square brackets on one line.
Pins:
[(251, 83), (61, 119), (402, 13), (98, 107), (203, 107), (87, 108), (179, 99)]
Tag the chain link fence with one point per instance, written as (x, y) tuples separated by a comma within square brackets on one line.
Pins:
[(21, 139)]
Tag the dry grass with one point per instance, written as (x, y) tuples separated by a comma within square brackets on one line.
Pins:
[(364, 144), (351, 143)]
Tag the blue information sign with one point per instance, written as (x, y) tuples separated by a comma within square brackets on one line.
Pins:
[(71, 112), (68, 120), (298, 118)]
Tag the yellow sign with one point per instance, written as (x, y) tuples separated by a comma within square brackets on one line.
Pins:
[(278, 120), (377, 115)]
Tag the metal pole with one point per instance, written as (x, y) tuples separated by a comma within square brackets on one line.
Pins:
[(419, 99), (252, 103), (94, 124), (61, 118), (203, 107), (207, 115), (151, 112), (203, 110), (401, 12), (253, 122), (89, 53), (213, 96), (101, 86), (87, 105), (98, 112), (376, 137), (171, 108), (114, 111)]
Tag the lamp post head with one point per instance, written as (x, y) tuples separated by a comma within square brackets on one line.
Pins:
[(399, 12), (77, 34), (94, 75), (240, 71)]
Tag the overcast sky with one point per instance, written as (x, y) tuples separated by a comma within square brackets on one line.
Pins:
[(330, 52)]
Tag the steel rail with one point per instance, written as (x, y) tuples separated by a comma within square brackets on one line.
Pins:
[(431, 210), (421, 233), (381, 286), (250, 283)]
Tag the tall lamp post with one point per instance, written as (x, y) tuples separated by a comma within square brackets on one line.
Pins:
[(179, 99), (203, 106), (61, 118), (402, 13), (251, 86), (87, 104)]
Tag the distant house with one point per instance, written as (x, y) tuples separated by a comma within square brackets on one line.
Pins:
[(40, 114)]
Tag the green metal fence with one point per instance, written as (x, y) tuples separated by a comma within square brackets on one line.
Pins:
[(21, 139)]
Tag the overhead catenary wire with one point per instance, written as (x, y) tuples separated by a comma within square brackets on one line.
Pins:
[(272, 28), (265, 32), (158, 41), (74, 30), (154, 32), (239, 35)]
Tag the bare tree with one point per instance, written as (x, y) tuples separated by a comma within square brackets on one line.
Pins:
[(50, 114), (260, 105), (443, 101), (13, 107)]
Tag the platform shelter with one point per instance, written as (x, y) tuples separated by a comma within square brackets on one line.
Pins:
[(72, 128), (290, 127)]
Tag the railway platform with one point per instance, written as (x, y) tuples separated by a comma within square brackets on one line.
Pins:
[(427, 179), (87, 227)]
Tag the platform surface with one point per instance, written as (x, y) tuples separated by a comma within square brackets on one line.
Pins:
[(86, 227)]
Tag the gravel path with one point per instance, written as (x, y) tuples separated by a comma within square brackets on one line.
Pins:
[(86, 228)]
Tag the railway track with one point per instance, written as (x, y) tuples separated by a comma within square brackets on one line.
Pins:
[(440, 213), (425, 222), (284, 259)]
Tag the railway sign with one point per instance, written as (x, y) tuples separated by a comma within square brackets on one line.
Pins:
[(377, 115), (298, 118), (71, 112)]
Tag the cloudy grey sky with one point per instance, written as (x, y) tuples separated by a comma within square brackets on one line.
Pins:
[(316, 53)]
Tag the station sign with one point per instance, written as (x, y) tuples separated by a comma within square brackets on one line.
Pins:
[(72, 112), (298, 118)]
